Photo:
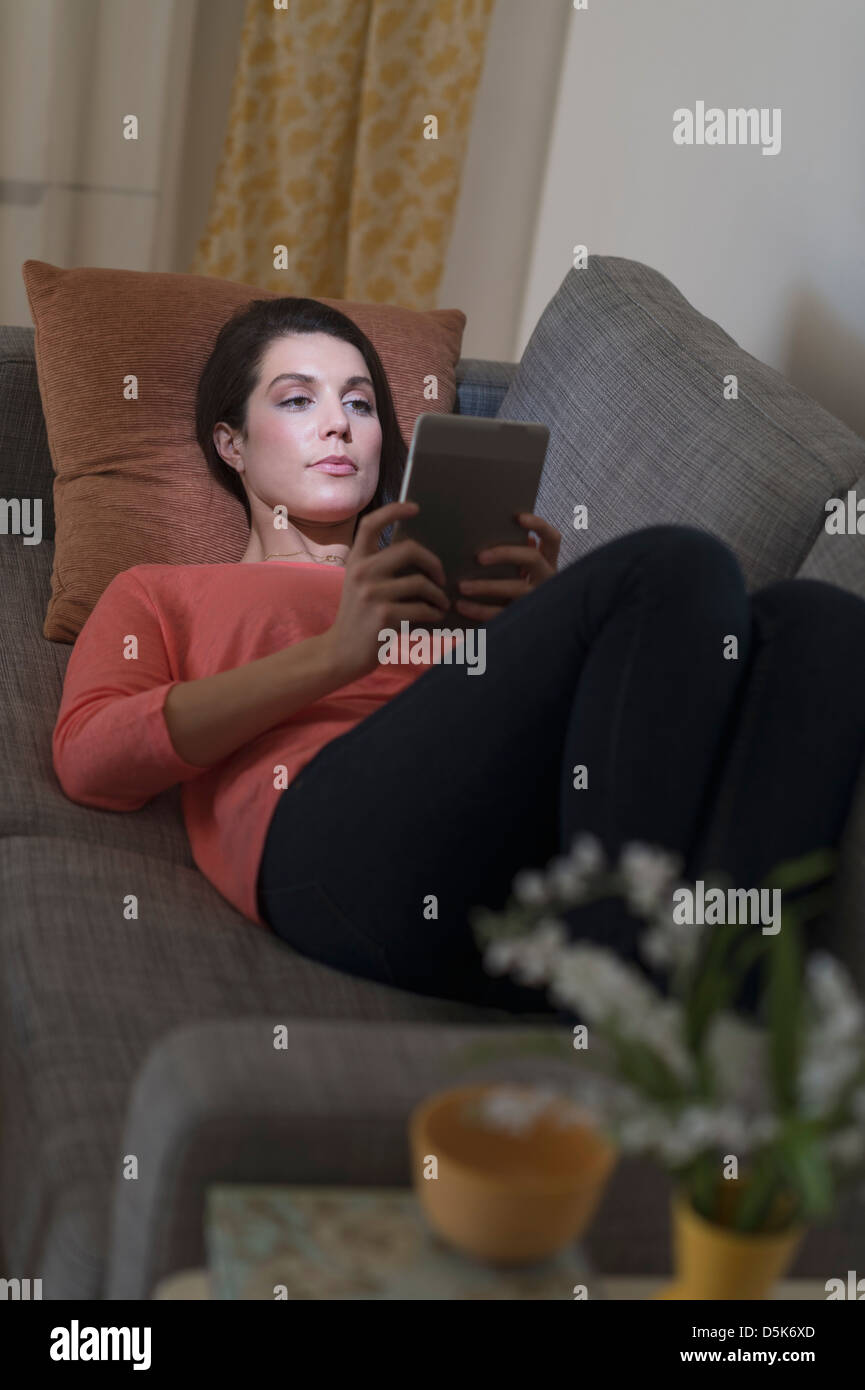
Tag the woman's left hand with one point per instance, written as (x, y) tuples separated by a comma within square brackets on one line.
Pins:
[(537, 563)]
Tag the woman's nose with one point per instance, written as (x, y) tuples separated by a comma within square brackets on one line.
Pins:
[(340, 422)]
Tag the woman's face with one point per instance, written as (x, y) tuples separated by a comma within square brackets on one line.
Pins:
[(293, 423)]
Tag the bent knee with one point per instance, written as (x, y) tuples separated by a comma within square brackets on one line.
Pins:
[(689, 551), (815, 604)]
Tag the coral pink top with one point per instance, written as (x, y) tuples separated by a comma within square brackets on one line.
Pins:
[(111, 747)]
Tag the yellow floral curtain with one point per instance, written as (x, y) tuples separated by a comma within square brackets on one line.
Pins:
[(347, 130)]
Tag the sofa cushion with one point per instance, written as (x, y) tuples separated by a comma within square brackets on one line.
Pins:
[(33, 801), (132, 485), (630, 379), (86, 992)]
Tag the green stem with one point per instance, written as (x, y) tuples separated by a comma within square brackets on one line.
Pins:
[(705, 1186), (757, 1198)]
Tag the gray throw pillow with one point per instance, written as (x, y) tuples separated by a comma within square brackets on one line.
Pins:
[(630, 380)]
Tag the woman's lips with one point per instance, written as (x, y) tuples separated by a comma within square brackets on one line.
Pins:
[(335, 468)]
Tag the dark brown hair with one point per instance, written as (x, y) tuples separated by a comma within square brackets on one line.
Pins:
[(232, 372)]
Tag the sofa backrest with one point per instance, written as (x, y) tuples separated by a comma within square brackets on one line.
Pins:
[(25, 462)]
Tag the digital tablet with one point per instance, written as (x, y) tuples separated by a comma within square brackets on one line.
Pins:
[(469, 476)]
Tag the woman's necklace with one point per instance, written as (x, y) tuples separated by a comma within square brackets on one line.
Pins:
[(336, 559)]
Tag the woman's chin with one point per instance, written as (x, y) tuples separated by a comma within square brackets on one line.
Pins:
[(335, 499)]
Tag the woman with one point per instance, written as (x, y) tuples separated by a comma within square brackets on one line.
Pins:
[(408, 796)]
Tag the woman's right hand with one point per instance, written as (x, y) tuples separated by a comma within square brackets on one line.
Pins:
[(374, 598)]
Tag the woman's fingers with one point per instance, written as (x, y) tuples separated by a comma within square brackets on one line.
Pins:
[(550, 538), (536, 563), (526, 556), (495, 588), (478, 610)]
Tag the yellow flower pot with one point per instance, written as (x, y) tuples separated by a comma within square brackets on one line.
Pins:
[(504, 1197), (713, 1261)]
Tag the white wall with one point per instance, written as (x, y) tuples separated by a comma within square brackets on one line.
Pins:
[(771, 247), (497, 209)]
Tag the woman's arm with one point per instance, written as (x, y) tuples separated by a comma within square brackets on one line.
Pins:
[(112, 748), (211, 717)]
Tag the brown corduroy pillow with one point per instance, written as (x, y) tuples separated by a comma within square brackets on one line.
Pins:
[(131, 485)]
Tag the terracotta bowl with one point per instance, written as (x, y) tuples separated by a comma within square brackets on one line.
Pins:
[(505, 1197)]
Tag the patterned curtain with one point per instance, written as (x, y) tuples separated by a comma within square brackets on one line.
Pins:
[(329, 154)]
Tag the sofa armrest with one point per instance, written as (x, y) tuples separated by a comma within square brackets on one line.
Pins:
[(217, 1102)]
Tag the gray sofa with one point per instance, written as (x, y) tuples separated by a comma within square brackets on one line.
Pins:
[(153, 1039)]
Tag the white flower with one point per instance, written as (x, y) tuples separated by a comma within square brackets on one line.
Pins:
[(834, 997), (702, 1126), (676, 1136), (648, 874), (586, 853), (846, 1145), (569, 876), (667, 943), (656, 946), (824, 1072), (500, 956), (642, 1132), (834, 1046), (663, 1029), (689, 1133), (598, 984), (839, 1015), (530, 887), (566, 880), (605, 990), (531, 957)]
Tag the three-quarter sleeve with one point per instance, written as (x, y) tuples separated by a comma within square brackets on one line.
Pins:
[(111, 747)]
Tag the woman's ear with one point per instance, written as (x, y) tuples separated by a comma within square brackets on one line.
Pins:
[(225, 445)]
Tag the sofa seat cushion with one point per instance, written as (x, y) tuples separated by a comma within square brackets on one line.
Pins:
[(630, 379), (85, 993)]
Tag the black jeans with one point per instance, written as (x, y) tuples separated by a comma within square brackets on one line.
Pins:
[(430, 805)]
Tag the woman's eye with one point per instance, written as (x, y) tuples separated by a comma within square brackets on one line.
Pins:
[(359, 401)]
